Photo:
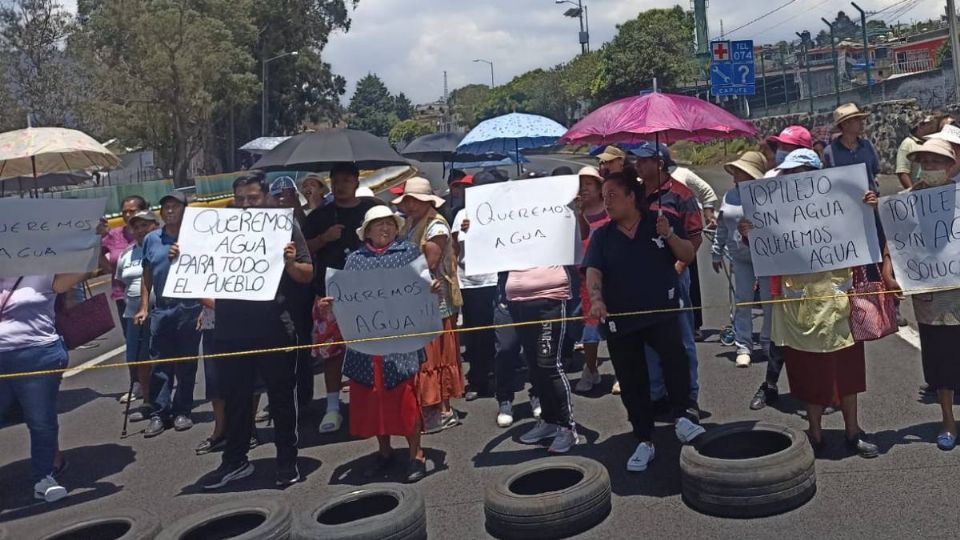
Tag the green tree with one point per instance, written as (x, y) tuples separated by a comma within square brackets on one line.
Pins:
[(301, 88), (467, 102), (164, 71), (36, 72), (534, 92), (372, 108), (576, 79), (408, 130), (402, 107), (658, 43), (944, 56)]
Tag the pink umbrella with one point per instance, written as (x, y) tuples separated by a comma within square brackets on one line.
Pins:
[(665, 118)]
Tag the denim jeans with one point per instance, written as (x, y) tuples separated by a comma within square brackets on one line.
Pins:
[(37, 397), (658, 389), (743, 316), (138, 343), (173, 333)]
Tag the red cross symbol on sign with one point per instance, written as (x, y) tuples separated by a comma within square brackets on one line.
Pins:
[(720, 50)]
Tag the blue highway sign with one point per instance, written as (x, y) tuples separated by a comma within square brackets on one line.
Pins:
[(732, 70)]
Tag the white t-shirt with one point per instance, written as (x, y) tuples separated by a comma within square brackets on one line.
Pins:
[(469, 282), (130, 271)]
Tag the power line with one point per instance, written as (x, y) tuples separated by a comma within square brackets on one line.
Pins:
[(791, 19), (761, 17)]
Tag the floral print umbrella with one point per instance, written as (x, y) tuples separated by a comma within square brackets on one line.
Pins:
[(511, 133)]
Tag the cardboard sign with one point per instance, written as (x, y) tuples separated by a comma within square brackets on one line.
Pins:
[(923, 236), (810, 222), (49, 236), (230, 253), (521, 224), (385, 302)]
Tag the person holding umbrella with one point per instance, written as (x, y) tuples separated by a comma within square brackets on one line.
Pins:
[(331, 236)]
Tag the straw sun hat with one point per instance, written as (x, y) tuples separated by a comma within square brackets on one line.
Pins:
[(377, 212), (752, 163), (420, 189)]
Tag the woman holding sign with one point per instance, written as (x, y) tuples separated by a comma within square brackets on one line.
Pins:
[(631, 268), (383, 389), (824, 363), (938, 313)]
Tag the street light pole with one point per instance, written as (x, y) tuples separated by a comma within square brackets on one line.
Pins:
[(866, 51), (836, 69), (492, 84), (763, 77), (264, 99), (584, 36), (805, 47)]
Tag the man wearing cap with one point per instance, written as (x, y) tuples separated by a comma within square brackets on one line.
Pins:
[(851, 147), (908, 171), (331, 236), (173, 325), (453, 202), (244, 325), (611, 160), (673, 198), (790, 139)]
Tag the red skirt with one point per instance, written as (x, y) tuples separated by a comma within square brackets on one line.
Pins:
[(823, 378), (379, 412)]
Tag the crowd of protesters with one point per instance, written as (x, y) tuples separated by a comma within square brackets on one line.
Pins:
[(641, 219)]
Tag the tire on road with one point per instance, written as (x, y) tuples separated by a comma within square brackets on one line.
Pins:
[(549, 498), (386, 512), (253, 518), (748, 470), (119, 524)]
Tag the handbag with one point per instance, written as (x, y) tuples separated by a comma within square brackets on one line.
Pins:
[(873, 311), (84, 322)]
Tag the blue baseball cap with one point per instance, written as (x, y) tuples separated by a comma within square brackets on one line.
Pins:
[(801, 157), (650, 150)]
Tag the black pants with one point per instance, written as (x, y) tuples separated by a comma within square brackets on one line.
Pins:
[(478, 306), (696, 299), (305, 375), (630, 366), (507, 363), (541, 348), (278, 371), (774, 364)]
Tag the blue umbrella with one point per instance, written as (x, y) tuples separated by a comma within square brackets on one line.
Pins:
[(511, 133), (489, 163)]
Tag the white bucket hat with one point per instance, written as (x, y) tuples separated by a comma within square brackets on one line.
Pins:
[(949, 133), (377, 212), (420, 189)]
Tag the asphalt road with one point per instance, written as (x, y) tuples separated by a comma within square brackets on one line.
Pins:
[(906, 492)]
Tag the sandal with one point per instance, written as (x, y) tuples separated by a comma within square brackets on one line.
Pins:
[(331, 422), (210, 445), (946, 441)]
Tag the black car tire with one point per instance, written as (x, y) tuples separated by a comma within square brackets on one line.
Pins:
[(119, 524), (748, 470), (253, 518), (375, 512), (549, 498)]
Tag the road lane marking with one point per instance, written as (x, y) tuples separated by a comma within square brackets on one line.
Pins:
[(90, 363)]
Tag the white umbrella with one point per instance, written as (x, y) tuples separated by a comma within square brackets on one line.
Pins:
[(37, 151)]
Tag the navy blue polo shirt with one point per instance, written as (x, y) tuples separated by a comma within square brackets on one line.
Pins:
[(838, 155), (638, 272)]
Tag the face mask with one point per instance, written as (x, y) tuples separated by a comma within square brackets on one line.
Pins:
[(781, 156), (935, 178)]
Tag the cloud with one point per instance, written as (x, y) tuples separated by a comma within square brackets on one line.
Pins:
[(410, 43)]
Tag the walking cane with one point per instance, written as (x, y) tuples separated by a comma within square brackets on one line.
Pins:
[(126, 411)]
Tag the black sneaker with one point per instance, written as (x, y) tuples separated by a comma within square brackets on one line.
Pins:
[(862, 446), (766, 395), (380, 466), (287, 475), (254, 441), (226, 473), (416, 471), (155, 427), (210, 445)]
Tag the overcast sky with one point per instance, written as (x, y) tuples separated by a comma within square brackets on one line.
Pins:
[(409, 43)]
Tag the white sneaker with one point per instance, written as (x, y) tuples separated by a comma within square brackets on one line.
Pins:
[(587, 380), (49, 490), (616, 388), (743, 360), (565, 440), (535, 406), (505, 416), (642, 456), (539, 432), (687, 431)]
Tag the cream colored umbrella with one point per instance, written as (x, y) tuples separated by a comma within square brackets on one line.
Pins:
[(37, 151)]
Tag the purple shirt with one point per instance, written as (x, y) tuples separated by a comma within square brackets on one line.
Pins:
[(27, 319), (114, 244)]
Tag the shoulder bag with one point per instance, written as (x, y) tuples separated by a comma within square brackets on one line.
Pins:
[(873, 310), (84, 322)]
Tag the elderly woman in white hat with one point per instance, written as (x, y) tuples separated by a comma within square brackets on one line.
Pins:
[(441, 377), (383, 391), (938, 313)]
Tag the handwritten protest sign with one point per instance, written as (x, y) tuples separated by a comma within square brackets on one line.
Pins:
[(520, 225), (230, 253), (385, 302), (49, 236), (923, 236), (810, 222)]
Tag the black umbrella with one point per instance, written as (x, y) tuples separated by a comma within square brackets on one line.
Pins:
[(321, 150), (433, 147)]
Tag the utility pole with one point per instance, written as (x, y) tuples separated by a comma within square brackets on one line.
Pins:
[(583, 34), (954, 46), (836, 69), (866, 50), (783, 73), (804, 48), (763, 77)]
